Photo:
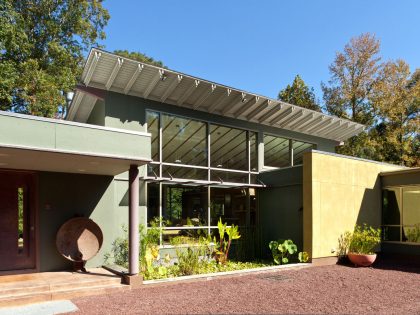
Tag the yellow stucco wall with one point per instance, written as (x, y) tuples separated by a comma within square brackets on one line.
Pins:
[(338, 192)]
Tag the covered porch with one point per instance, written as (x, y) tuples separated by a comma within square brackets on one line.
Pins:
[(53, 170)]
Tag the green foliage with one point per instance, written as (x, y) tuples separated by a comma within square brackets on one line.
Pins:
[(188, 261), (149, 240), (299, 94), (383, 96), (364, 239), (282, 251), (221, 254), (119, 250), (344, 244), (413, 233), (303, 257), (42, 44), (138, 56)]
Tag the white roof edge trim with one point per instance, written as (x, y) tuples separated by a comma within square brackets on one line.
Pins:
[(97, 56)]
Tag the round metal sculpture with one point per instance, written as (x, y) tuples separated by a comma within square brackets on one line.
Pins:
[(79, 239)]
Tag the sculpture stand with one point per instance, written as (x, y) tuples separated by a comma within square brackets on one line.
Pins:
[(79, 265)]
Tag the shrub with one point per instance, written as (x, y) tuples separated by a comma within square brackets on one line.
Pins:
[(343, 245), (303, 257), (364, 239), (413, 233), (282, 251)]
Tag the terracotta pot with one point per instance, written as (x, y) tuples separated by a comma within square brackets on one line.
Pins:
[(363, 260)]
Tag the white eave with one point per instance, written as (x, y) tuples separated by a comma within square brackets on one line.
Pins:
[(107, 71)]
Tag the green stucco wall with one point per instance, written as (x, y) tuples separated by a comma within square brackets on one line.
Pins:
[(280, 207), (63, 196), (54, 135)]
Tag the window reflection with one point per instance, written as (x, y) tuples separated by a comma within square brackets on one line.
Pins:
[(228, 148), (253, 142), (299, 148), (184, 141), (411, 215), (401, 214), (229, 204), (152, 119), (276, 151), (184, 206)]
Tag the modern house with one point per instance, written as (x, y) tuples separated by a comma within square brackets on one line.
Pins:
[(142, 142)]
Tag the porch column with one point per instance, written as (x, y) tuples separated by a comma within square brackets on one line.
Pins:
[(133, 220)]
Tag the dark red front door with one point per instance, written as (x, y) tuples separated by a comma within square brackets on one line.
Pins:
[(17, 221)]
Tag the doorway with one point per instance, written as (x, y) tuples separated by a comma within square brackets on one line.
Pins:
[(17, 221)]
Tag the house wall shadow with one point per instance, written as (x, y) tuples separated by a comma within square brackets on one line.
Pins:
[(63, 196)]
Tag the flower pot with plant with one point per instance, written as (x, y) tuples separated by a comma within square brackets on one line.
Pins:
[(362, 245)]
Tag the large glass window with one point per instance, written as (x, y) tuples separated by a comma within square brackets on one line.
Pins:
[(184, 141), (228, 148), (184, 206), (401, 214), (179, 172), (411, 214), (229, 177), (276, 151), (391, 206), (298, 149), (229, 204), (185, 210), (253, 147), (153, 127)]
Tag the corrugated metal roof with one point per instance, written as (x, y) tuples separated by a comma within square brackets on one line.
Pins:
[(107, 71)]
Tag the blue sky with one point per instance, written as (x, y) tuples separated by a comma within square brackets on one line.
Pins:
[(260, 46)]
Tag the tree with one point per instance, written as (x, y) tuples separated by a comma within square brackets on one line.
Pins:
[(41, 51), (299, 94), (139, 57), (353, 75), (396, 97)]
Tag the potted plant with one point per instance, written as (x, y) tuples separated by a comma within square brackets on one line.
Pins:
[(362, 245)]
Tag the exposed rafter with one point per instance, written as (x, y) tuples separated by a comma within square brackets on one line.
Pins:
[(276, 108), (158, 77), (351, 128), (188, 92), (258, 109), (300, 112), (331, 129), (233, 108), (133, 78), (303, 121), (219, 100), (92, 67), (114, 73), (175, 82), (205, 96), (246, 104), (326, 124), (107, 71), (282, 115), (351, 133), (312, 123)]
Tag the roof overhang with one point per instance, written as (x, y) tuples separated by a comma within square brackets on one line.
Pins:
[(107, 71), (42, 144)]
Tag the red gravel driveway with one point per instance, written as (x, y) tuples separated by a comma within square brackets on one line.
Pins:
[(315, 290)]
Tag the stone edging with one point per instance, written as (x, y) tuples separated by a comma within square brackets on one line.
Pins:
[(209, 276)]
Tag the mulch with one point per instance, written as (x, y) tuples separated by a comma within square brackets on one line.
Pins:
[(386, 288)]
